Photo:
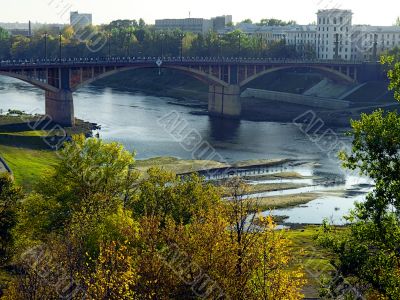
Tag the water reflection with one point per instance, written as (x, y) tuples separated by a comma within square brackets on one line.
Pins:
[(223, 129)]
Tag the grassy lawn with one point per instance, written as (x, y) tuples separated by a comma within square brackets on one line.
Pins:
[(313, 258), (28, 164)]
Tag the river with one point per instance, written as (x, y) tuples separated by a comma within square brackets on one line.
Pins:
[(131, 118)]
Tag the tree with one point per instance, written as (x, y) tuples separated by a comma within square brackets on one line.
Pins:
[(366, 254), (114, 276), (164, 194), (397, 21), (141, 23), (3, 34), (247, 21), (275, 22), (10, 195)]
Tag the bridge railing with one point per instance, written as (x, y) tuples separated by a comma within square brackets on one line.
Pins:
[(175, 60)]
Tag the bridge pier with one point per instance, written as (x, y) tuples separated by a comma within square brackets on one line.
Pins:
[(224, 101), (60, 107)]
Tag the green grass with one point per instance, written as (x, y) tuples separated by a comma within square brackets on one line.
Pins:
[(176, 165), (28, 165), (313, 258)]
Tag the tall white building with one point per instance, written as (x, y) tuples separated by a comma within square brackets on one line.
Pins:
[(333, 37)]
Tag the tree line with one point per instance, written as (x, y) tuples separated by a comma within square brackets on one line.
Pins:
[(134, 38), (96, 228)]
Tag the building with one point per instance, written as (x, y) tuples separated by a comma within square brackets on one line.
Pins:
[(78, 20), (333, 37), (195, 25), (28, 29), (221, 22), (369, 42), (334, 31), (302, 37)]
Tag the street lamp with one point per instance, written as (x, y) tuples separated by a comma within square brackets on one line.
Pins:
[(45, 45), (181, 36), (240, 42), (60, 46), (162, 35), (261, 45), (129, 43), (220, 45), (109, 45)]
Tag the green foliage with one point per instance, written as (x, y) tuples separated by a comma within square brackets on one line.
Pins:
[(375, 152), (247, 21), (164, 194), (367, 255), (392, 61), (123, 37), (3, 34), (275, 22), (10, 195), (96, 225), (91, 177)]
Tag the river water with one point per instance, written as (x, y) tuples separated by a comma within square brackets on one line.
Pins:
[(131, 118)]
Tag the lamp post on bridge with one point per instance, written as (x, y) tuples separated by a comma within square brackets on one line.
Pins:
[(109, 45), (220, 36), (129, 43), (162, 35), (240, 43), (46, 35), (60, 47), (181, 37), (261, 45)]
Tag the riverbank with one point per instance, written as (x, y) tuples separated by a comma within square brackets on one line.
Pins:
[(27, 145)]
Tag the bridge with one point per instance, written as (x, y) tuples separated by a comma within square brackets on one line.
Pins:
[(225, 77)]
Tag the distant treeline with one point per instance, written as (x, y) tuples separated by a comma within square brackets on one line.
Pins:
[(135, 38)]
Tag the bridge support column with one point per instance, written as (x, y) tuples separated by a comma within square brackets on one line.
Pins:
[(224, 101), (60, 107)]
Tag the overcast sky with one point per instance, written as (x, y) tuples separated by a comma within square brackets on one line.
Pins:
[(383, 12)]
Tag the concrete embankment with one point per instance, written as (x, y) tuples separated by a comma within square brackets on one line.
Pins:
[(296, 99), (4, 167)]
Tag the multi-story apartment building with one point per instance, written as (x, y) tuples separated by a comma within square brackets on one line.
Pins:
[(333, 37), (195, 25), (333, 34), (304, 37)]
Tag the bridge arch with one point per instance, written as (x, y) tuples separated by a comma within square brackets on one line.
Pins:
[(194, 73), (37, 83), (322, 69)]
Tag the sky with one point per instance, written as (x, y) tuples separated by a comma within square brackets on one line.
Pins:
[(383, 12)]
